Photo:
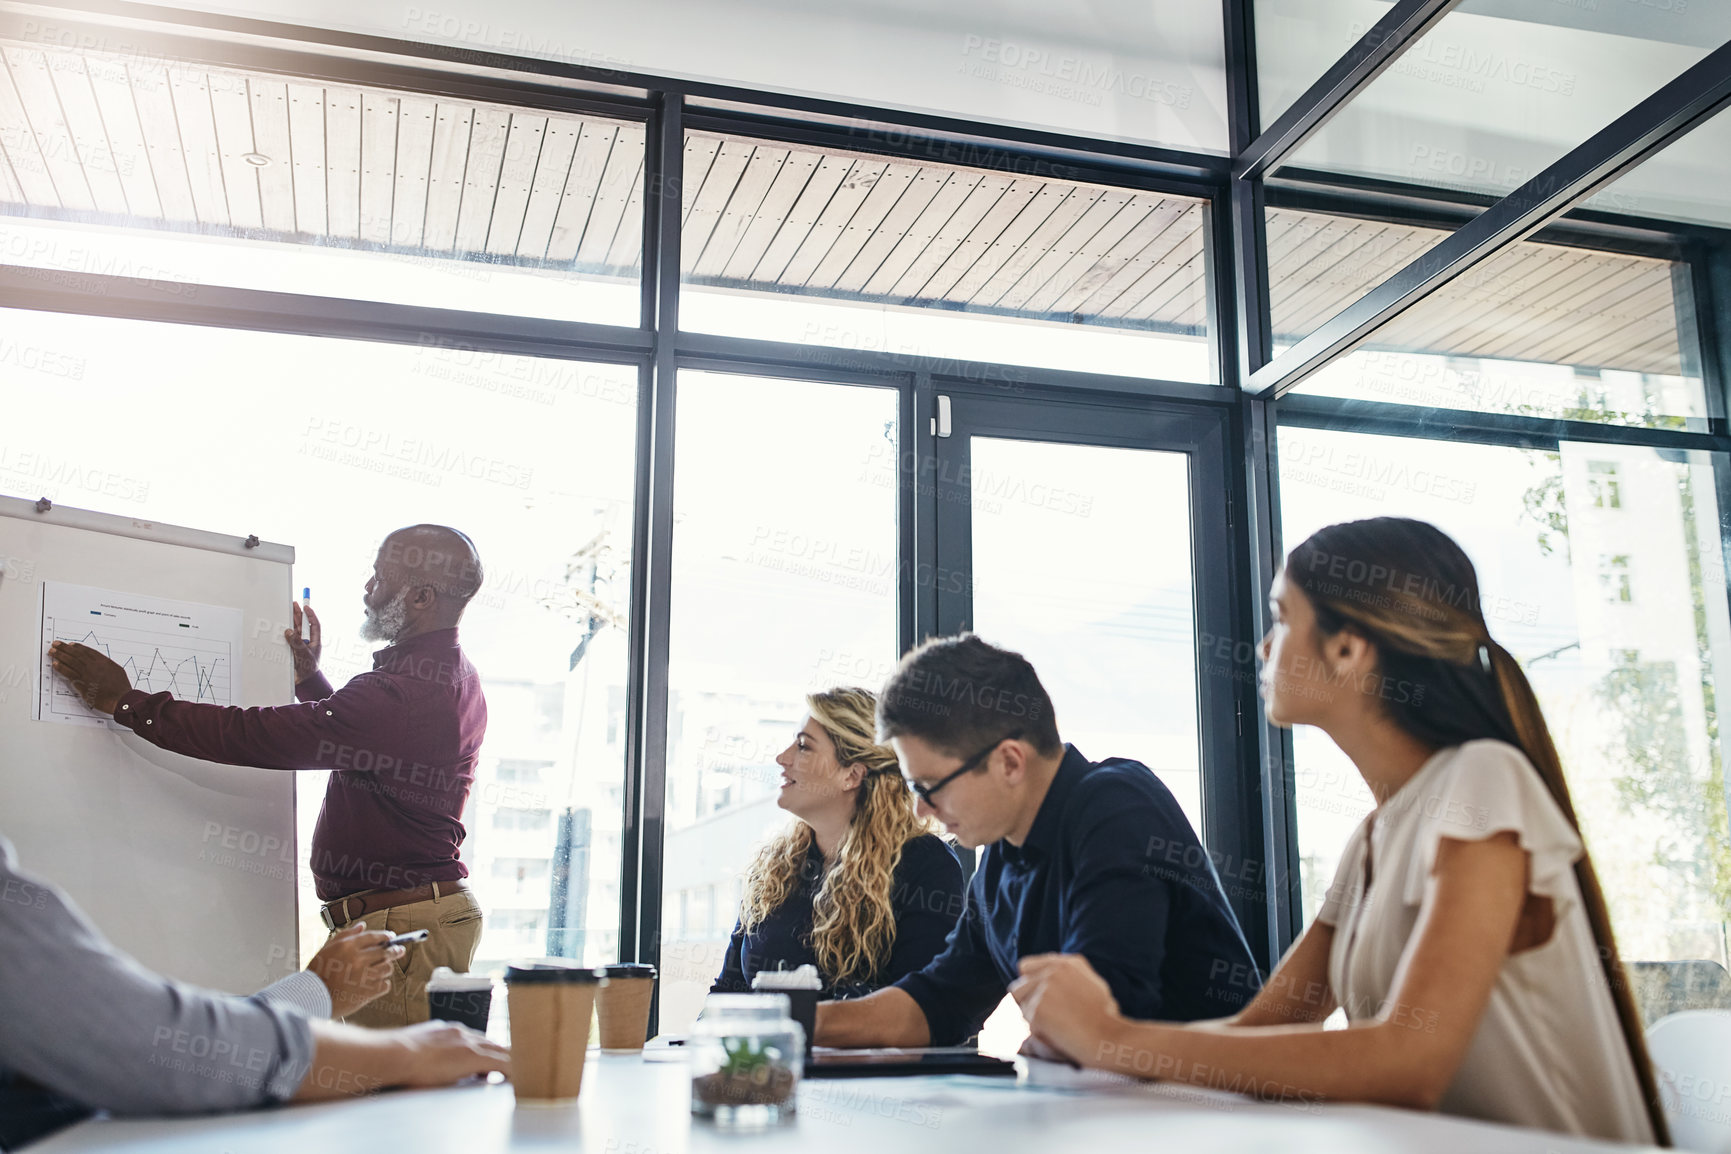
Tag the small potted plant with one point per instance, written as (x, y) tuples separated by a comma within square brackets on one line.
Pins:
[(746, 1055)]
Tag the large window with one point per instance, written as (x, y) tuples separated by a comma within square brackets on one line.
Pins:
[(942, 264), (1538, 330), (784, 582), (132, 165), (852, 267), (1602, 572), (1493, 93), (327, 446)]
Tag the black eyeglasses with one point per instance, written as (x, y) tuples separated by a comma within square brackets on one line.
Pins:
[(926, 792)]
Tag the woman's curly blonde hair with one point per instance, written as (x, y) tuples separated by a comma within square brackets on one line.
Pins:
[(853, 924)]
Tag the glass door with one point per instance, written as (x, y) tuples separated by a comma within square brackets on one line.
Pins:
[(1082, 561), (1091, 536)]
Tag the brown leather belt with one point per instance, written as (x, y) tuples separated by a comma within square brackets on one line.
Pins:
[(339, 912)]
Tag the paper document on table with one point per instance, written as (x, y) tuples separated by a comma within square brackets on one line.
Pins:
[(1046, 1075), (185, 647), (1063, 1076)]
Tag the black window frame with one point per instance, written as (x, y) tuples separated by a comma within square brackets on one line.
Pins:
[(1256, 772)]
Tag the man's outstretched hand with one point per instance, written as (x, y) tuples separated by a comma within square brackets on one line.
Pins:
[(99, 681), (305, 649)]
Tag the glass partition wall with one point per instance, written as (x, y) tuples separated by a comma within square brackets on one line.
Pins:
[(1601, 571), (1598, 535), (745, 393)]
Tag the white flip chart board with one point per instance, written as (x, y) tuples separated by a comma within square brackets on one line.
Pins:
[(187, 865)]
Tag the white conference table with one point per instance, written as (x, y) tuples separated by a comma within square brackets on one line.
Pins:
[(633, 1106)]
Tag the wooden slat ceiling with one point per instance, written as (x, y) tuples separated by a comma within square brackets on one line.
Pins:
[(1532, 302), (788, 219), (155, 143)]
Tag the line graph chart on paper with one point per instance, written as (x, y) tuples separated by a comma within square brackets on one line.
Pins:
[(191, 670), (185, 648)]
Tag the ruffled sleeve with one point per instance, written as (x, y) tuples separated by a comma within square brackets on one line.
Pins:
[(1485, 788), (1348, 882)]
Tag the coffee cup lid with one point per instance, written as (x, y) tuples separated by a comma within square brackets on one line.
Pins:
[(720, 1006), (444, 978), (549, 971), (804, 978), (628, 970)]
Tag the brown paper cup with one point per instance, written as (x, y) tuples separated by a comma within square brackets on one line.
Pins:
[(551, 1009), (622, 1007)]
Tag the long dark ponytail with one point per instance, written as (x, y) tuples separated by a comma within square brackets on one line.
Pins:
[(1413, 593)]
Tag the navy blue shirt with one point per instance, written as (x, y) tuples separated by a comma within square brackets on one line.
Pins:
[(29, 1112), (1110, 870), (928, 897)]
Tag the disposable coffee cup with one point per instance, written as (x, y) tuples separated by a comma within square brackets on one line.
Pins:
[(551, 1007), (465, 998), (622, 1007), (803, 989)]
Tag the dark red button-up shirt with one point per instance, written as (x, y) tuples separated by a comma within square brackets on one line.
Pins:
[(401, 742)]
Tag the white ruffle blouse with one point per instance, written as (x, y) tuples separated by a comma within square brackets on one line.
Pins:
[(1549, 1051)]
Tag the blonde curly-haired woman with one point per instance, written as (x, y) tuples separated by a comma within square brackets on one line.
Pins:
[(859, 886)]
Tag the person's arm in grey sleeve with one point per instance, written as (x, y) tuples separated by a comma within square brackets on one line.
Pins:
[(303, 990), (87, 1022)]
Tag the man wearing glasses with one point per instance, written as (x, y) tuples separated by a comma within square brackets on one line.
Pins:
[(1090, 858)]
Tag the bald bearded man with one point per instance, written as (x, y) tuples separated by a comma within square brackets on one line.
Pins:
[(401, 743)]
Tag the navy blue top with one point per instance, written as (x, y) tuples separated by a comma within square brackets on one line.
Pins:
[(928, 897), (1110, 870)]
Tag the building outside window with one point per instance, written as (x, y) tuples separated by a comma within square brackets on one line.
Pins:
[(1614, 577), (1602, 482)]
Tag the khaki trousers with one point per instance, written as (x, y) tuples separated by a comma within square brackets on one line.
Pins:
[(453, 925)]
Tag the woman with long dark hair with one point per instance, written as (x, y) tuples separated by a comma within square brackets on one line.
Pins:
[(1465, 935), (859, 886)]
